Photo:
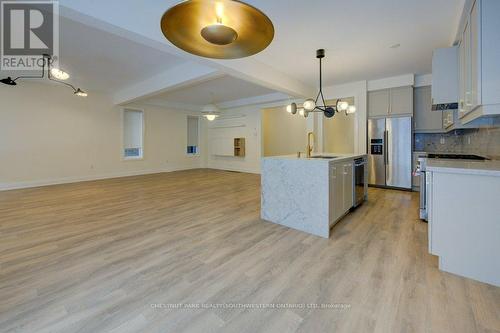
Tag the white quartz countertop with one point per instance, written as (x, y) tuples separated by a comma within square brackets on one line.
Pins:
[(334, 157), (488, 168)]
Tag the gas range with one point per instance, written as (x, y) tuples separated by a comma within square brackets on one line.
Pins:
[(456, 156), (420, 171)]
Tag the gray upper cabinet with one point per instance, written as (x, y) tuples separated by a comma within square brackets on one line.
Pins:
[(390, 102), (426, 120), (378, 103), (401, 101)]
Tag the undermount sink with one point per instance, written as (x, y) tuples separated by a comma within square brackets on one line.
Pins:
[(323, 156)]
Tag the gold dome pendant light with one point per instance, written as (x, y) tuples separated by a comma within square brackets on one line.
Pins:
[(220, 29)]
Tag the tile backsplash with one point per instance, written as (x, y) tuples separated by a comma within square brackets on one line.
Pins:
[(482, 141)]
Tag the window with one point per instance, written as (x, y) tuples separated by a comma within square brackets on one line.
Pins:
[(133, 124), (192, 135)]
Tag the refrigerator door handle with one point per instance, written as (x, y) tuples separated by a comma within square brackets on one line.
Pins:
[(386, 146)]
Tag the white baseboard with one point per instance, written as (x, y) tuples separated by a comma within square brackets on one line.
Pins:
[(67, 180)]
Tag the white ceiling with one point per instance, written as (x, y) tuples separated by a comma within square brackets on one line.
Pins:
[(101, 61), (219, 90), (357, 34)]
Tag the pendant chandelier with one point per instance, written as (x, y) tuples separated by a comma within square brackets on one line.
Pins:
[(220, 29), (311, 105), (210, 111), (53, 74)]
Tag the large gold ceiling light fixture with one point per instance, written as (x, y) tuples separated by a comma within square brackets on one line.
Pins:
[(220, 29)]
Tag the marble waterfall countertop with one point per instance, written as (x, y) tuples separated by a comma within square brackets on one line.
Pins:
[(295, 192), (487, 168)]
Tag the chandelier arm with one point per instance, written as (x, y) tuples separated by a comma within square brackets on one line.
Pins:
[(317, 97), (65, 83), (49, 76), (32, 76)]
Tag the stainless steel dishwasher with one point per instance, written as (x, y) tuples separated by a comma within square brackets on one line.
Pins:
[(360, 180)]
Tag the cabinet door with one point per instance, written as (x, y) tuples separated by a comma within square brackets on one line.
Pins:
[(348, 186), (378, 103), (339, 190), (466, 71), (425, 118), (475, 65), (401, 101), (448, 118), (461, 79), (333, 193), (336, 199)]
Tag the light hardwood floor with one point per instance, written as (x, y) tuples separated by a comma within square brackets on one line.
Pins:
[(103, 256)]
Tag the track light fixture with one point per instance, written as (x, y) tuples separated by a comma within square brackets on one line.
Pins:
[(53, 74)]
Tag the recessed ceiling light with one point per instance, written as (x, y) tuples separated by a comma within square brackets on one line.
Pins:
[(395, 46)]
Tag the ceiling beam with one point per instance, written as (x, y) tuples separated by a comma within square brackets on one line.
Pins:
[(180, 76), (262, 99)]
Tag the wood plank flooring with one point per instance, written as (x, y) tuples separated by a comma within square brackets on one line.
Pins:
[(115, 255)]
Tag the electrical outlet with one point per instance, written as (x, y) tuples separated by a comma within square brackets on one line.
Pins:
[(442, 140), (468, 140)]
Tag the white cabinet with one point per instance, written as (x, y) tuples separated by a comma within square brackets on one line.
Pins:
[(445, 65), (463, 222), (390, 102), (426, 120), (336, 196), (474, 85), (341, 189), (448, 119), (479, 69), (348, 186)]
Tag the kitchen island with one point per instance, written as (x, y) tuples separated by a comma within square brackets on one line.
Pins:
[(308, 194)]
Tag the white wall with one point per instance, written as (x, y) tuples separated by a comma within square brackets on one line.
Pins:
[(244, 122), (48, 135), (282, 133), (338, 132), (358, 90)]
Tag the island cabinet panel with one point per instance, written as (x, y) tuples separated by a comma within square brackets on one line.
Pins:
[(341, 189), (348, 186), (336, 192)]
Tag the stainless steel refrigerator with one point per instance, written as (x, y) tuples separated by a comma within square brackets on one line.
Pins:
[(389, 147)]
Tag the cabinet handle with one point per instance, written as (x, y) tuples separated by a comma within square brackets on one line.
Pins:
[(467, 95)]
